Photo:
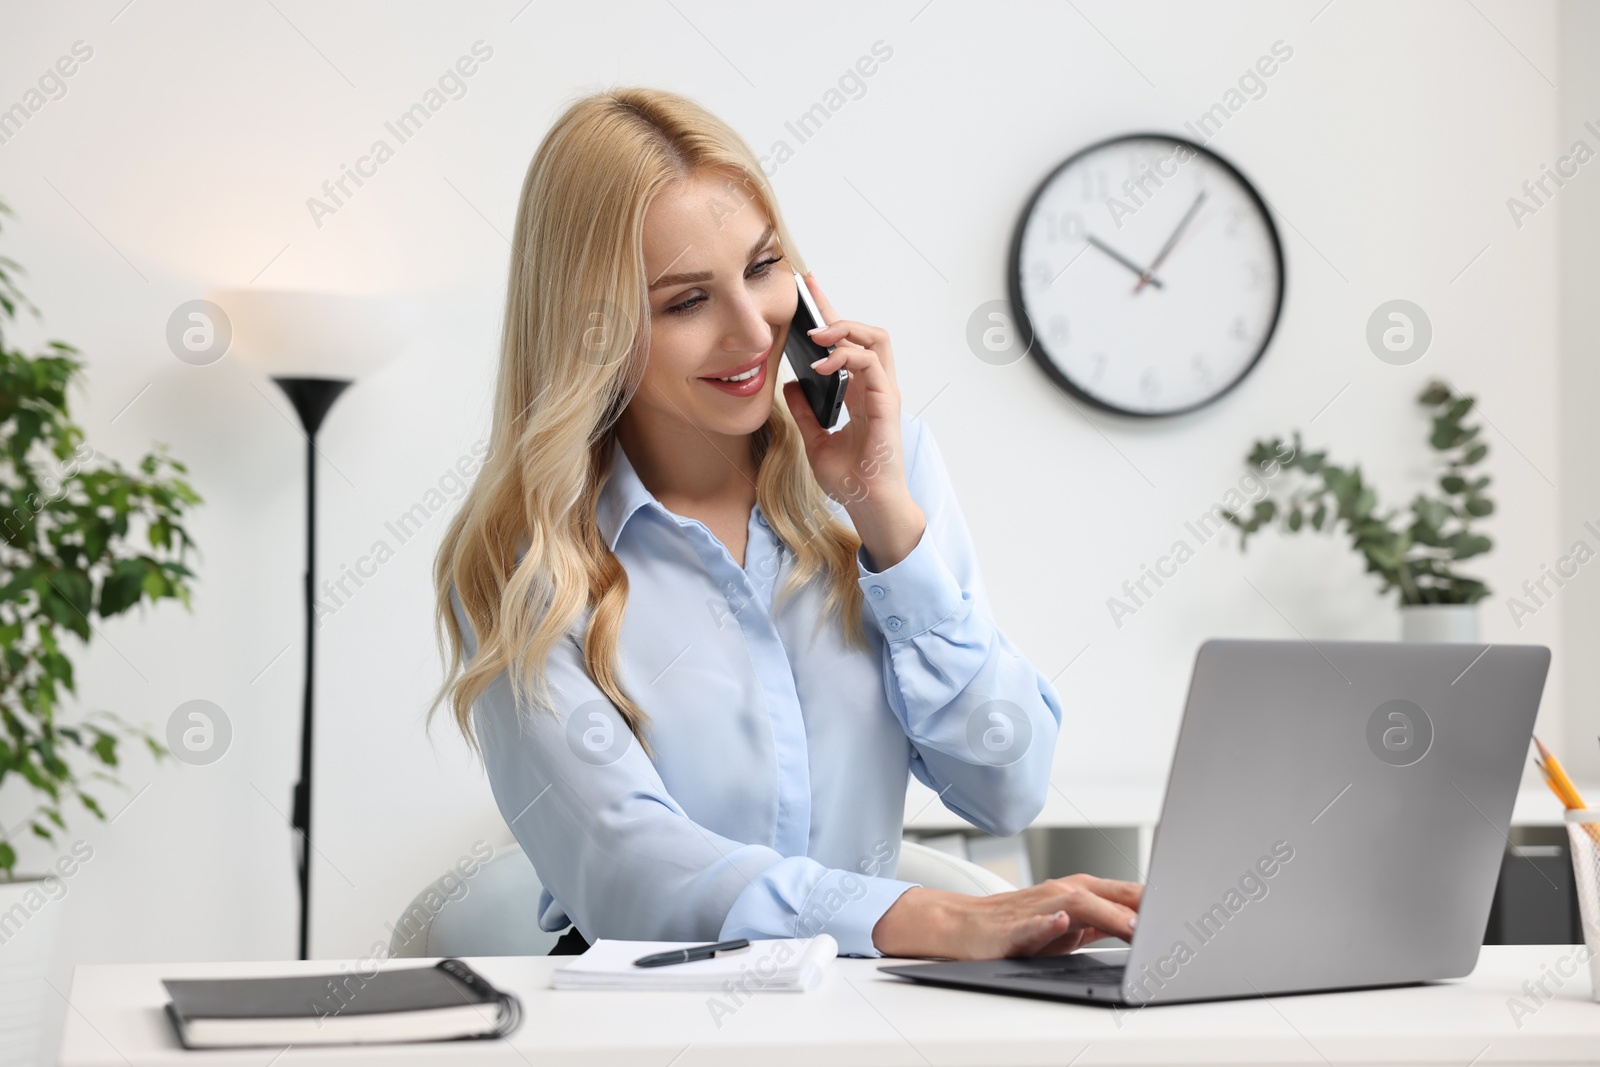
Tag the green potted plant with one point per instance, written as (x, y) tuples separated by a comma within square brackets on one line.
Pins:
[(1415, 552), (80, 537)]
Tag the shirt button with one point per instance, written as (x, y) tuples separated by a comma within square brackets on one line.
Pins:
[(877, 592), (762, 519), (893, 622)]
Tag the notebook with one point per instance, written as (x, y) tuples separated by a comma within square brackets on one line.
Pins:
[(445, 1001), (779, 964)]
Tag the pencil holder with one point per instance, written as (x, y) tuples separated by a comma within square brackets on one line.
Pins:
[(1583, 830)]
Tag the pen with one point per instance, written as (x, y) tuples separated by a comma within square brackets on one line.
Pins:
[(684, 955)]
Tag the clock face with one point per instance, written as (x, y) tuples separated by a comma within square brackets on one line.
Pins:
[(1146, 275)]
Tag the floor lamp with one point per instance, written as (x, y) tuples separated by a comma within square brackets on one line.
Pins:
[(313, 346)]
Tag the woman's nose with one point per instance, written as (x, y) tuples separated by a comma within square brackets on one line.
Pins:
[(752, 332)]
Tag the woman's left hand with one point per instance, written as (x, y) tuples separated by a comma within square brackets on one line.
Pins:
[(861, 465)]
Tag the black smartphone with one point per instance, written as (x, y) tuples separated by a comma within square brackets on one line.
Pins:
[(824, 392)]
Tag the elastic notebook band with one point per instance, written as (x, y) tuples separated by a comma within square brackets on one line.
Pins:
[(464, 974)]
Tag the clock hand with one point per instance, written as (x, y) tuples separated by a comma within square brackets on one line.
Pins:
[(1161, 255), (1124, 260)]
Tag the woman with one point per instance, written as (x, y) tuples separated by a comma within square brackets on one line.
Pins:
[(699, 639)]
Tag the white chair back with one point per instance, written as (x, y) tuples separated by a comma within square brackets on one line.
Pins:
[(493, 913)]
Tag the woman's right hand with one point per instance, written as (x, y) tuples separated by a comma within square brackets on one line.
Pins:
[(1056, 916)]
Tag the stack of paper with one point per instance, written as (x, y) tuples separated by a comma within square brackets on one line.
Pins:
[(780, 964)]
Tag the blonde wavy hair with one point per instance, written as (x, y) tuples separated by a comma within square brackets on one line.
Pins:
[(573, 349)]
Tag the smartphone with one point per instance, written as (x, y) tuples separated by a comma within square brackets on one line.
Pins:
[(824, 392)]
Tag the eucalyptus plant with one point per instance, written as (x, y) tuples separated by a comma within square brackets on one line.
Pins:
[(1414, 552), (80, 537)]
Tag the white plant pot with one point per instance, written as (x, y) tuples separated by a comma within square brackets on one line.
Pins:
[(1439, 622), (28, 913)]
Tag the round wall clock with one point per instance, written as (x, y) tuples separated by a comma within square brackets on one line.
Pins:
[(1146, 275)]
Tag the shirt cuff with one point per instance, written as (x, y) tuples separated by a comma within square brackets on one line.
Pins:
[(914, 595), (847, 906)]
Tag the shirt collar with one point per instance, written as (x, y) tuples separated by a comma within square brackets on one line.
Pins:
[(621, 496)]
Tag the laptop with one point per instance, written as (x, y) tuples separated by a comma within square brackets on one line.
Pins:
[(1335, 818)]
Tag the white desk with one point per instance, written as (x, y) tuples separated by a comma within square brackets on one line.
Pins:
[(861, 1017)]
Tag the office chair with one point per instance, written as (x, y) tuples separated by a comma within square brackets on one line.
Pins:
[(496, 916)]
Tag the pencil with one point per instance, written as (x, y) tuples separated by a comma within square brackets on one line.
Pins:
[(1557, 777)]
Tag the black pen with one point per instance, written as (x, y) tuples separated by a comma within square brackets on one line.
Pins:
[(684, 955)]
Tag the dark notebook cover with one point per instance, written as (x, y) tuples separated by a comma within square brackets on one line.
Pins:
[(450, 983)]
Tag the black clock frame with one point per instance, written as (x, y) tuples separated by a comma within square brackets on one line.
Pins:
[(1036, 348)]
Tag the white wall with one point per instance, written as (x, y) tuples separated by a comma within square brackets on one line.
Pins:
[(181, 158), (1579, 206)]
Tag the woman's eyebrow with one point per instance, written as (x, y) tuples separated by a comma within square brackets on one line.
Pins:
[(705, 275)]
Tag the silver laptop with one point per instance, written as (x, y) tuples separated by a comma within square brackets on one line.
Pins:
[(1334, 819)]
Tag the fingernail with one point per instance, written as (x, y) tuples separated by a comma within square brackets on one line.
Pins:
[(1133, 922), (816, 329), (1059, 915), (820, 362)]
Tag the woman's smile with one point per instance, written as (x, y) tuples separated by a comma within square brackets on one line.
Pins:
[(746, 379)]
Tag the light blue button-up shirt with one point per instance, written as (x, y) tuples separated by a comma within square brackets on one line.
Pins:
[(775, 804)]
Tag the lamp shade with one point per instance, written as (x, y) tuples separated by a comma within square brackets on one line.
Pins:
[(289, 334)]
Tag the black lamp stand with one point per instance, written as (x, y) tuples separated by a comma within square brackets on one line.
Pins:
[(311, 397)]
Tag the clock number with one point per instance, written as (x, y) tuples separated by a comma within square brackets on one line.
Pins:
[(1090, 180), (1066, 226), (1202, 372), (1237, 330), (1099, 366), (1258, 276), (1235, 217), (1149, 383), (1044, 272)]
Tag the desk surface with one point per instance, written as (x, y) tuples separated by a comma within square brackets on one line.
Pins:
[(859, 1016)]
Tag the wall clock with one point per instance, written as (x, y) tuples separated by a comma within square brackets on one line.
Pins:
[(1146, 275)]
